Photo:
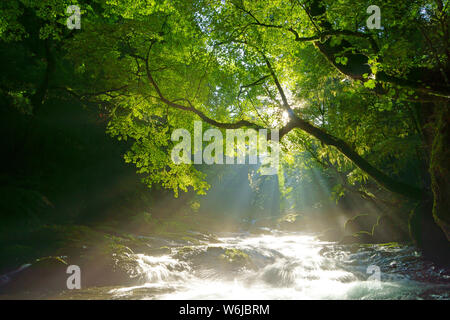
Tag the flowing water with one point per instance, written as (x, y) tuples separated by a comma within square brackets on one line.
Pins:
[(281, 266)]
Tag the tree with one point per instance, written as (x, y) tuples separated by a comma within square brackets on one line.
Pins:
[(161, 64)]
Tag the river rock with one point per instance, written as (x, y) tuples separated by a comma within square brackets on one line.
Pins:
[(360, 222), (387, 230), (44, 275), (159, 251), (331, 235), (111, 264), (359, 237)]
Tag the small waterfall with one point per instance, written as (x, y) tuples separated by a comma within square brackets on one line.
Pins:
[(162, 268)]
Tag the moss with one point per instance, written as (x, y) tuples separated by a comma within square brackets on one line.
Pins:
[(159, 251), (291, 218), (235, 256), (47, 261), (184, 250), (191, 240), (391, 245)]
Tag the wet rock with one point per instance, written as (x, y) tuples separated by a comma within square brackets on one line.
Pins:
[(427, 235), (203, 236), (330, 235), (364, 237), (46, 274), (215, 250), (236, 259), (358, 238), (324, 251), (159, 251), (349, 240), (110, 264), (360, 222), (282, 274), (188, 252), (387, 230), (229, 259)]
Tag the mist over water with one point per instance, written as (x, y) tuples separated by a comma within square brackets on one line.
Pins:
[(282, 266)]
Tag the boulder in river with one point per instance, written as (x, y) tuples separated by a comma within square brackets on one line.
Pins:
[(360, 222), (44, 275), (110, 264), (358, 237), (387, 230), (332, 234)]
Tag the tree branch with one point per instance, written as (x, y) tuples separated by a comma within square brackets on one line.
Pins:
[(190, 108)]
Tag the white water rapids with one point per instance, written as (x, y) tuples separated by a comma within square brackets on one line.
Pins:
[(284, 266)]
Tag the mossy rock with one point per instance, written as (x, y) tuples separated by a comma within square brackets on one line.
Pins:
[(427, 235), (62, 238), (191, 240), (228, 259), (387, 230), (215, 250), (332, 234), (349, 240), (236, 259), (364, 237), (181, 238), (360, 222), (45, 275), (357, 238), (104, 259), (390, 245), (186, 252), (204, 237), (110, 264), (159, 251), (235, 255)]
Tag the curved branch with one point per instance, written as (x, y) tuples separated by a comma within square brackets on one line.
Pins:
[(381, 178), (326, 138), (239, 124), (320, 36)]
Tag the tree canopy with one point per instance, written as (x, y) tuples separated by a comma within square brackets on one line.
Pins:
[(360, 103)]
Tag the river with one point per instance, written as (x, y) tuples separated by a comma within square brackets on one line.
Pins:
[(281, 265)]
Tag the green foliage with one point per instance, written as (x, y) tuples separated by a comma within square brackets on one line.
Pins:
[(211, 57)]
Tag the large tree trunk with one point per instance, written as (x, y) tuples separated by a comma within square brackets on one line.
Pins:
[(430, 221), (440, 167)]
